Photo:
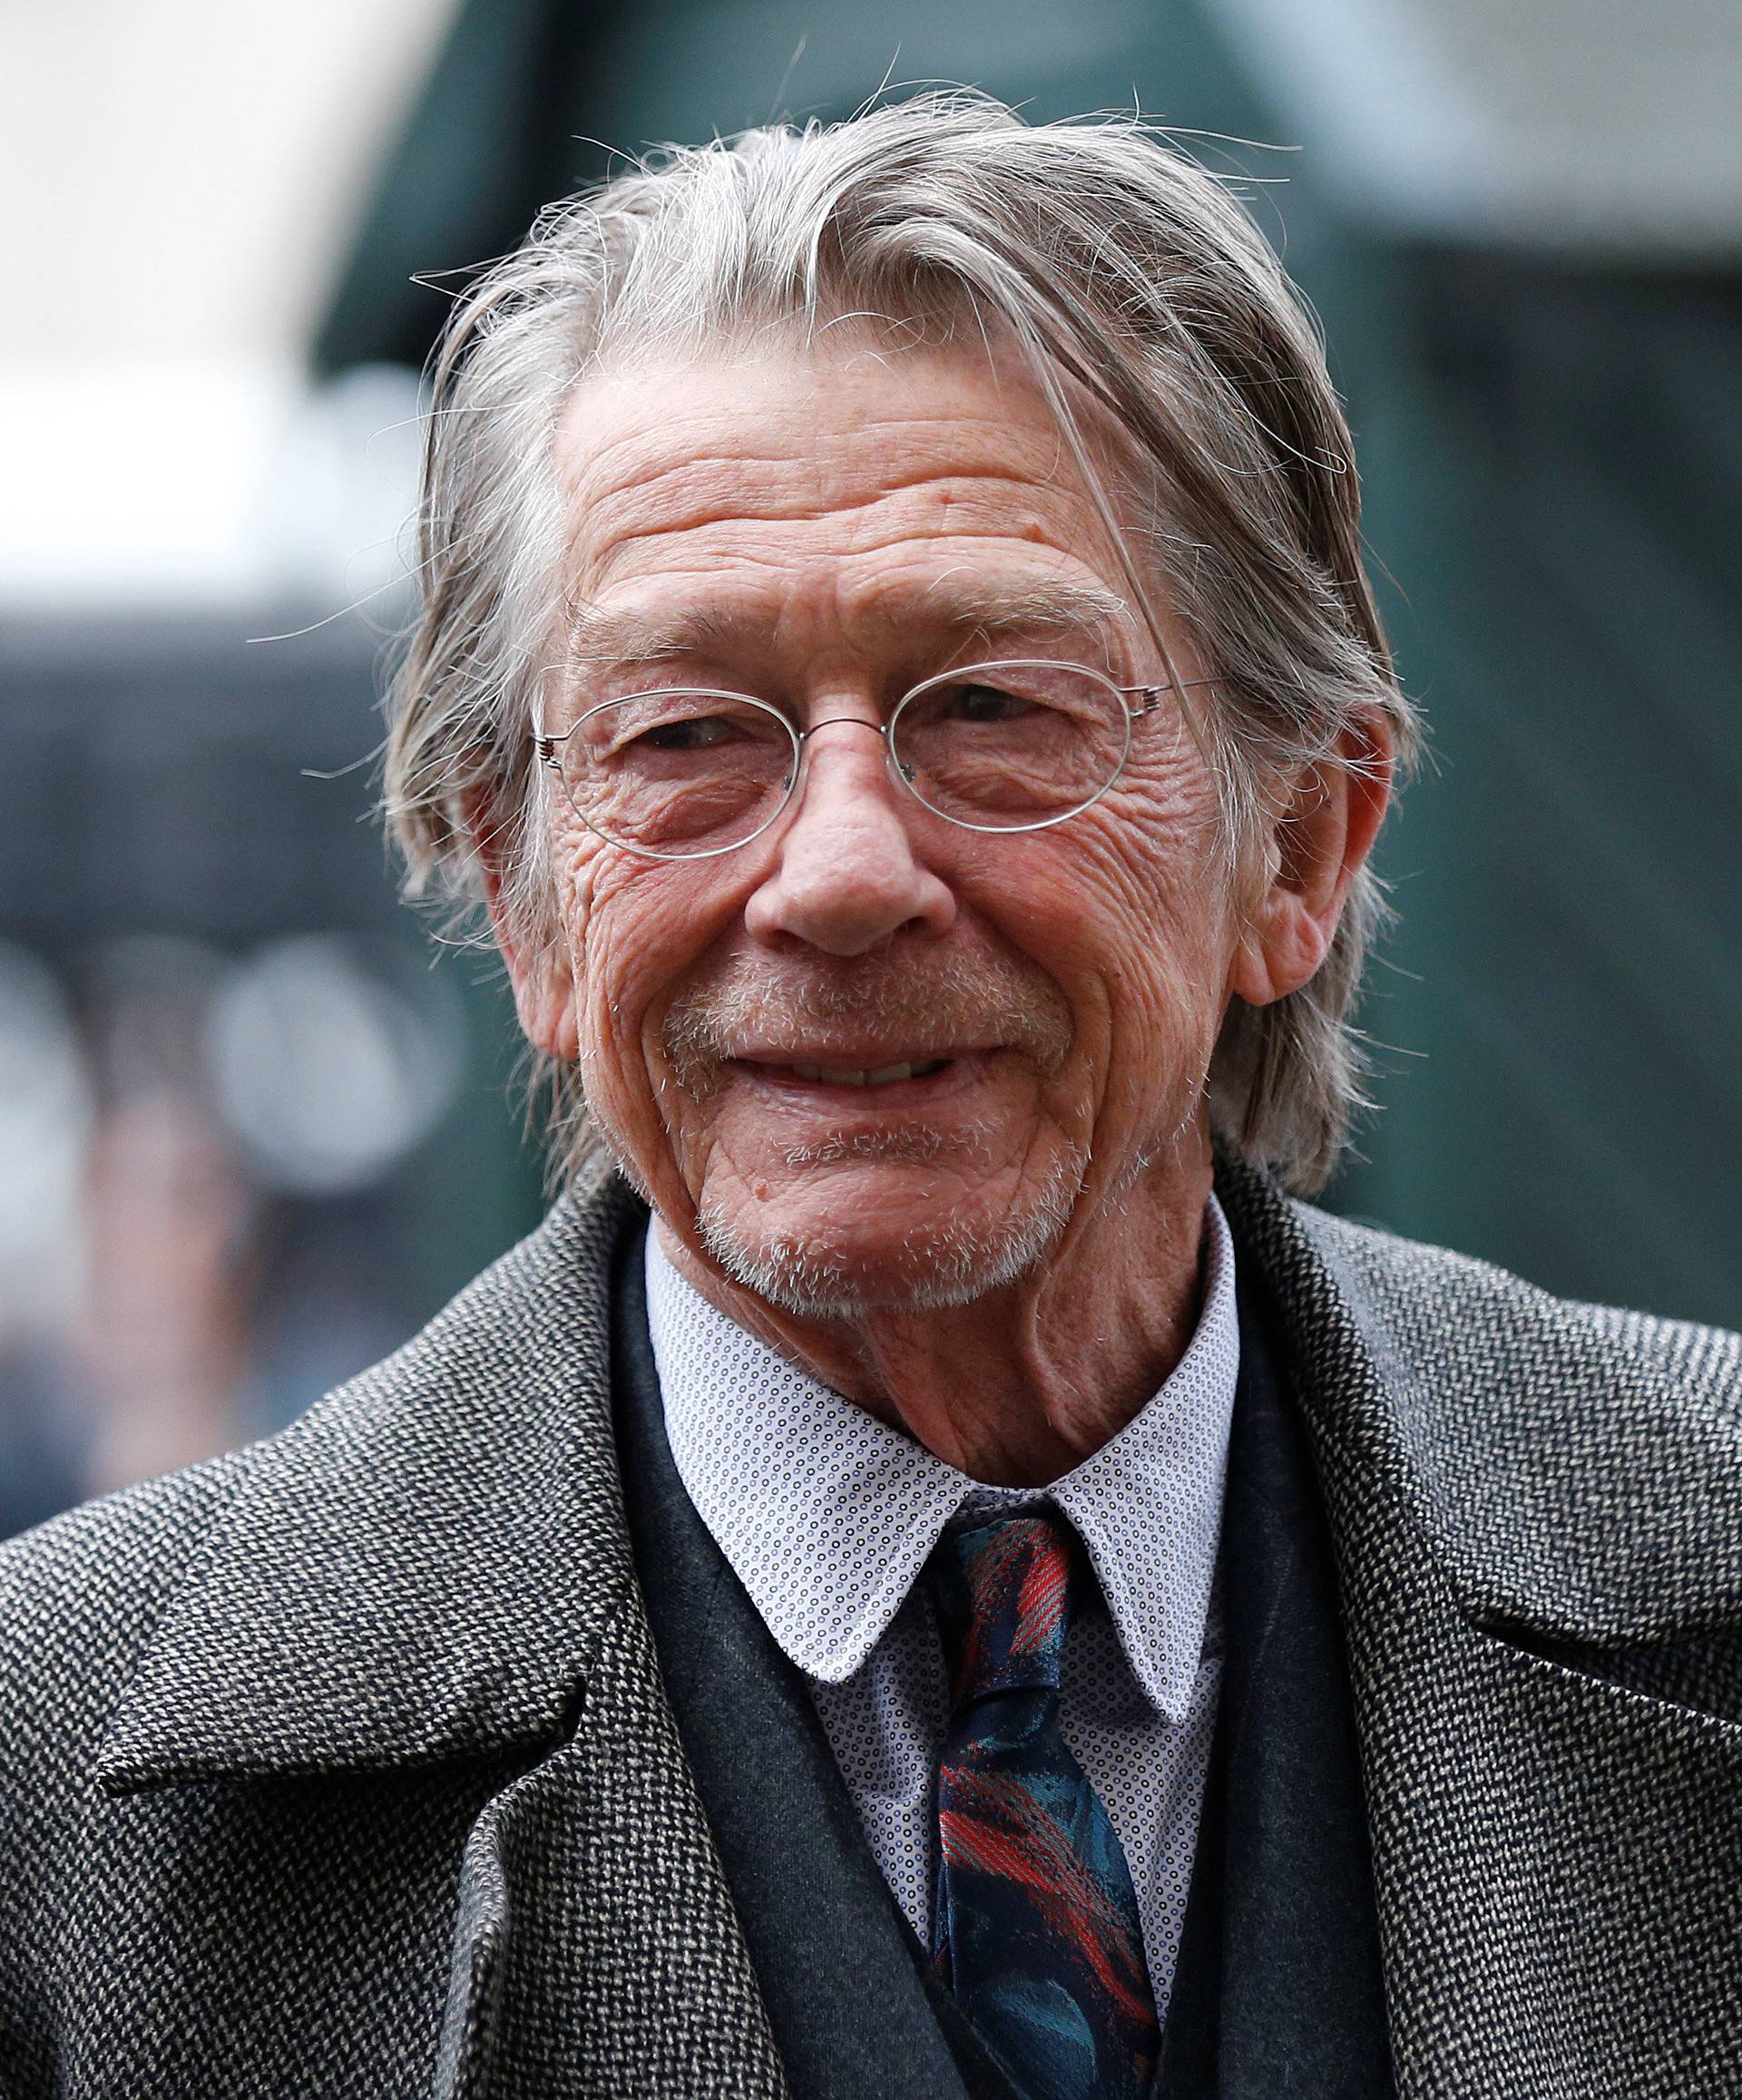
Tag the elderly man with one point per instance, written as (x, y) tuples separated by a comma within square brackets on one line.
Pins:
[(930, 1575)]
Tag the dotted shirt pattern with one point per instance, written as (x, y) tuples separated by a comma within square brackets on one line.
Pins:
[(827, 1516)]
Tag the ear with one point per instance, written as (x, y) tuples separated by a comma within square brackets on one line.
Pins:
[(540, 968), (1316, 843)]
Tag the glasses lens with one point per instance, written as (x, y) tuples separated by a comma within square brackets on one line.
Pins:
[(680, 774), (1006, 747)]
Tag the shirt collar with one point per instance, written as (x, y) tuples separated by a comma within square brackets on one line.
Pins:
[(827, 1515)]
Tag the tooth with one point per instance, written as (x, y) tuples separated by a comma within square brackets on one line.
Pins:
[(883, 1075)]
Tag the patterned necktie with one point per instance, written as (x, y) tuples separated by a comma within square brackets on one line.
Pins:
[(1035, 1930)]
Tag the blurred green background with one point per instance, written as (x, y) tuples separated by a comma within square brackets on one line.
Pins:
[(1522, 229)]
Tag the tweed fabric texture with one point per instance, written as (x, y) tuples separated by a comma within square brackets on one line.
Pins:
[(329, 1769), (343, 1766), (1527, 1497)]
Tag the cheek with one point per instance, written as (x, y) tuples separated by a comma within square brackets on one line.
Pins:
[(1170, 861), (1129, 909), (1143, 874), (640, 927)]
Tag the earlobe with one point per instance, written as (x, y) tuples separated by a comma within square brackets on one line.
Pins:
[(543, 986), (540, 970), (1279, 950), (1318, 841)]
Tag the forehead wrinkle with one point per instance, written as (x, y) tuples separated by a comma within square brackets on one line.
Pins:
[(900, 494), (638, 445), (727, 524), (958, 603), (726, 493), (684, 474)]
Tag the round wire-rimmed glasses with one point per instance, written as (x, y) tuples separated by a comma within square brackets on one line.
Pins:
[(687, 772)]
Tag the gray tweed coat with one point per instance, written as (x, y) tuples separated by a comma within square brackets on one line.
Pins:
[(341, 1766)]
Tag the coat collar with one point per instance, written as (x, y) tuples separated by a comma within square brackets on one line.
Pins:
[(422, 1566), (1569, 1483)]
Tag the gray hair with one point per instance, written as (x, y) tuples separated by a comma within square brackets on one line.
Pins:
[(1109, 258)]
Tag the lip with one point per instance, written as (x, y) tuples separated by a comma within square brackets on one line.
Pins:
[(862, 1052), (939, 1073), (876, 1077)]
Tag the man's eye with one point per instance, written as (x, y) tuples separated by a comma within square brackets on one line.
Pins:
[(691, 733), (985, 704)]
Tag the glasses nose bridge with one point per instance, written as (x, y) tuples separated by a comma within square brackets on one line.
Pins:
[(878, 729), (801, 738)]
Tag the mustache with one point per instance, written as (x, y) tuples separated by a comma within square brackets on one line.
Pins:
[(918, 1006)]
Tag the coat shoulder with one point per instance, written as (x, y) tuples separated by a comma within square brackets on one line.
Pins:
[(1452, 1308), (80, 1600), (83, 1597), (87, 1586), (1577, 1468)]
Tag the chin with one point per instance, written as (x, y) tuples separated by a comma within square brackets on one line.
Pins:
[(831, 1273)]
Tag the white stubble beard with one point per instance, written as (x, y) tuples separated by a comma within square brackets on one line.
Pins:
[(943, 1264)]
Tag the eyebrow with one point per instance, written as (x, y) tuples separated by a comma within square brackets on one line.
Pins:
[(960, 608)]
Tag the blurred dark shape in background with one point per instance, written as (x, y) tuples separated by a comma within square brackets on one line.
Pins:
[(252, 1137), (249, 1139)]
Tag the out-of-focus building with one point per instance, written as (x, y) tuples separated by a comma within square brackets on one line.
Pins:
[(249, 1136)]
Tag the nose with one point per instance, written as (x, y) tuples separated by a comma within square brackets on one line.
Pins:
[(845, 875)]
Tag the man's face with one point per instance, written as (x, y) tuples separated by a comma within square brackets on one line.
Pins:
[(823, 530)]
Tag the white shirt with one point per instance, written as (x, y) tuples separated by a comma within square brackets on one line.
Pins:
[(827, 1516)]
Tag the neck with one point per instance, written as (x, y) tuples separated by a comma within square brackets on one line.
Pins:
[(1019, 1386)]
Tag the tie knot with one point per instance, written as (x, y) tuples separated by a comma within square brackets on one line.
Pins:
[(1003, 1603)]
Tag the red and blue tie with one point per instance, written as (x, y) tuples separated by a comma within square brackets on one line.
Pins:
[(1035, 1930)]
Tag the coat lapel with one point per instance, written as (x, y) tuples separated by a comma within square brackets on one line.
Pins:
[(433, 1566), (597, 1949), (1522, 1510), (423, 1565)]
